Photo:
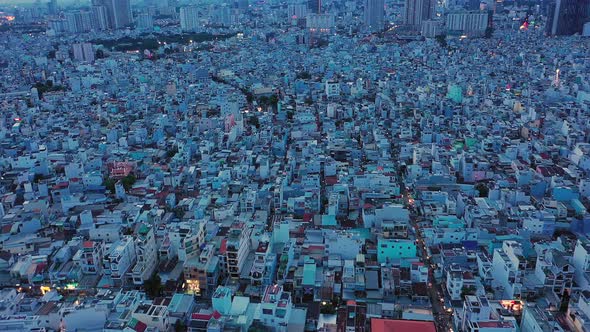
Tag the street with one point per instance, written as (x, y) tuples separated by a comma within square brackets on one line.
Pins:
[(442, 316)]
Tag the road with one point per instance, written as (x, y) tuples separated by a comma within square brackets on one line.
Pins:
[(443, 319)]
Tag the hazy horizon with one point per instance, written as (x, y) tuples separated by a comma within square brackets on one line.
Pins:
[(43, 2)]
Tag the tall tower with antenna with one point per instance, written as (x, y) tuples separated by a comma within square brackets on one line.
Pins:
[(556, 79)]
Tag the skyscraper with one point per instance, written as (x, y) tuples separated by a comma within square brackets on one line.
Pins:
[(315, 6), (297, 10), (144, 21), (243, 5), (118, 11), (52, 7), (374, 14), (78, 21), (471, 23), (100, 18), (417, 11), (189, 18), (83, 52), (567, 17)]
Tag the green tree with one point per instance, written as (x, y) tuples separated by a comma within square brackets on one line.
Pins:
[(128, 181), (467, 291), (172, 152), (254, 121), (304, 75), (153, 286), (38, 178), (565, 302), (178, 212), (110, 184), (99, 54), (483, 189), (273, 100), (533, 163), (263, 101), (442, 40), (179, 326), (327, 308)]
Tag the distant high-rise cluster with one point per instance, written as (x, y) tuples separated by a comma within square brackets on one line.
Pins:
[(189, 18), (118, 12), (315, 6), (374, 16), (297, 10), (567, 17), (243, 4), (102, 15), (417, 11), (52, 7)]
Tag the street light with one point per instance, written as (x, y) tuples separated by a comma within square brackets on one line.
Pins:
[(193, 286)]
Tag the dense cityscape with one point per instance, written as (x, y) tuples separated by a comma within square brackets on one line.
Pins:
[(295, 165)]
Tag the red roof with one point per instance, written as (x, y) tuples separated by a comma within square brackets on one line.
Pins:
[(6, 229), (331, 180), (140, 326), (398, 325), (496, 324), (307, 217), (199, 316), (40, 268), (88, 244), (223, 247)]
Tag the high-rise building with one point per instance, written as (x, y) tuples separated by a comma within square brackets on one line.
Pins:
[(57, 26), (78, 21), (52, 7), (471, 23), (222, 15), (189, 18), (417, 11), (431, 28), (567, 17), (374, 14), (144, 21), (243, 4), (321, 23), (297, 10), (70, 23), (83, 52), (100, 18), (118, 12), (315, 6)]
